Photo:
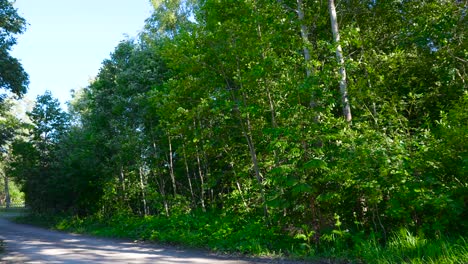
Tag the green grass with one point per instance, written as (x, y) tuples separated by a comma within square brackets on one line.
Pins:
[(404, 247), (13, 212), (211, 231), (249, 235)]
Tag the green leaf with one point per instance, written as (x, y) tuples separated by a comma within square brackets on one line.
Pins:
[(302, 188), (316, 164)]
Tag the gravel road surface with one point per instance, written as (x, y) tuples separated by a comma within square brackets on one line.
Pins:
[(27, 244)]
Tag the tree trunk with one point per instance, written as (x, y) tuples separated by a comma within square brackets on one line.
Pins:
[(246, 128), (161, 185), (265, 81), (306, 44), (188, 174), (340, 59), (143, 191), (7, 191), (305, 38), (171, 166), (160, 181), (122, 185), (253, 155), (202, 181), (237, 179)]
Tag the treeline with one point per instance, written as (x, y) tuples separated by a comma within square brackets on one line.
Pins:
[(321, 126), (13, 84)]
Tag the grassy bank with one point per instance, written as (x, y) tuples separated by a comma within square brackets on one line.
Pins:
[(13, 212), (250, 236)]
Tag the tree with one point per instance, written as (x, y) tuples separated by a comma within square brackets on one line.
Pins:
[(215, 116), (341, 62), (13, 78), (170, 17), (9, 126), (33, 158), (49, 122)]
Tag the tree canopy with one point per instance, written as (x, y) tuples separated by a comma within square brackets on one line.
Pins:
[(13, 78), (243, 108)]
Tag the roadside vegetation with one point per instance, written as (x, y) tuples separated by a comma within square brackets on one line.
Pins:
[(307, 129), (250, 237)]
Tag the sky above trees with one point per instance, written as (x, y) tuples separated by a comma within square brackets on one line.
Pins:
[(66, 41)]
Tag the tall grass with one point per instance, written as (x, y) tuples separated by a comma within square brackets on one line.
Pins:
[(404, 247), (13, 212)]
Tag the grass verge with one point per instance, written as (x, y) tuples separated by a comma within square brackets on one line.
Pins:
[(250, 236)]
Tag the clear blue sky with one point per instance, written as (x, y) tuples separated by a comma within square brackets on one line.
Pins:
[(66, 40)]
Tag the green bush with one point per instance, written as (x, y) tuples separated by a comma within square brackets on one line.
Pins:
[(250, 235)]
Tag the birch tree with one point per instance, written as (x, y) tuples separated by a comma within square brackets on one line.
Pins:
[(341, 62), (305, 37)]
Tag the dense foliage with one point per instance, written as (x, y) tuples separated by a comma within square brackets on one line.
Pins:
[(34, 159), (12, 75), (238, 109), (13, 80)]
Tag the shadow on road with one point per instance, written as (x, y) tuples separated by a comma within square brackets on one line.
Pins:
[(27, 244)]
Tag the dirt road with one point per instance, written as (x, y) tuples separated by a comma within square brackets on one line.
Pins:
[(26, 244)]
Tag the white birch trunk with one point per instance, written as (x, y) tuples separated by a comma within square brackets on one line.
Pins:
[(123, 194), (340, 59), (202, 181), (305, 38), (171, 166), (143, 191)]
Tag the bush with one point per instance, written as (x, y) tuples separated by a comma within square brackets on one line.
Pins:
[(405, 247), (250, 235)]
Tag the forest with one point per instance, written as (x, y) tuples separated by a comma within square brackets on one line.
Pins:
[(330, 128)]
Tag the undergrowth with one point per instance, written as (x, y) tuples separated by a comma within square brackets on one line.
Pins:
[(251, 236)]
